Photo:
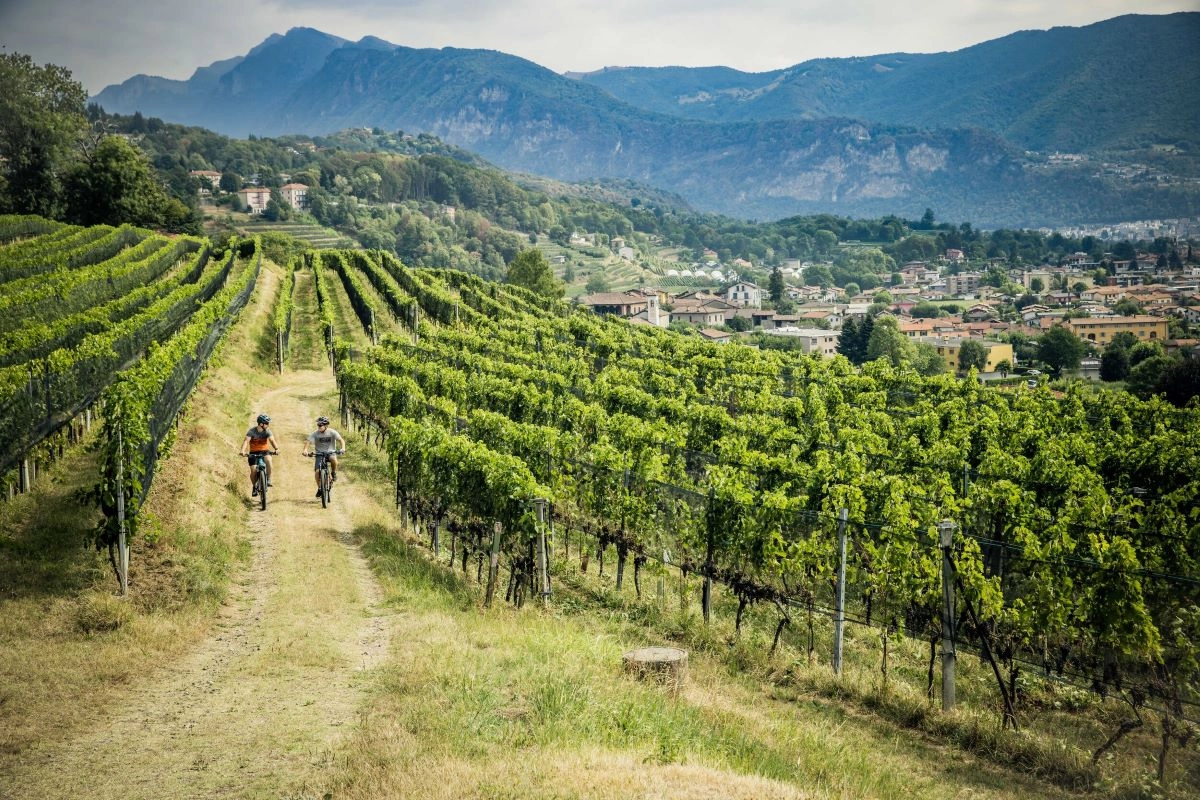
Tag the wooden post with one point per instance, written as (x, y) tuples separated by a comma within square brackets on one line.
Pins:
[(839, 619), (543, 557), (946, 531), (493, 565), (122, 546), (23, 475), (279, 350)]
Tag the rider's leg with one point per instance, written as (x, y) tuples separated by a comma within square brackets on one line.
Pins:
[(268, 460), (333, 468)]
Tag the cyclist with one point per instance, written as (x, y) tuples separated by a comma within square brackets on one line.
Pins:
[(328, 441), (259, 440)]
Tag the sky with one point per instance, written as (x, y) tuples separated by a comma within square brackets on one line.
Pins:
[(107, 41)]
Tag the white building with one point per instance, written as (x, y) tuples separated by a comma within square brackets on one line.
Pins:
[(744, 294)]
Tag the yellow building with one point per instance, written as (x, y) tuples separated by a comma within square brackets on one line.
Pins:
[(948, 350), (1102, 329)]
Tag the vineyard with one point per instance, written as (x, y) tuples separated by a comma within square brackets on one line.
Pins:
[(109, 324), (1065, 531), (1051, 540)]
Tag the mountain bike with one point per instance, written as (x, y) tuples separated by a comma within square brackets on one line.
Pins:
[(325, 479), (260, 476)]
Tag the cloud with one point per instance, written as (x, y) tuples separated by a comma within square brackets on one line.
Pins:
[(108, 41)]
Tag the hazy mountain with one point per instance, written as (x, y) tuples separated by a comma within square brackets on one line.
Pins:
[(1118, 84), (766, 164)]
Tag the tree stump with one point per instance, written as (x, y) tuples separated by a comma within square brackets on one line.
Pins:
[(663, 665)]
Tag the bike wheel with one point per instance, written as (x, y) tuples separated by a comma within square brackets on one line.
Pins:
[(262, 491)]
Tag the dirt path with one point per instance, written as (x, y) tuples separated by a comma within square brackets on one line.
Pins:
[(256, 708)]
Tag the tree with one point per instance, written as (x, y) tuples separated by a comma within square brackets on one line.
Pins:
[(888, 342), (1004, 367), (1128, 308), (596, 283), (41, 123), (531, 269), (1036, 285), (925, 310), (1147, 378), (1180, 381), (926, 360), (882, 296), (818, 275), (848, 342), (1114, 363), (971, 354), (117, 185), (775, 285), (739, 324), (230, 182), (852, 289), (1061, 349)]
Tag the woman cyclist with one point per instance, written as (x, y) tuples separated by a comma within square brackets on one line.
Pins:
[(329, 442), (259, 441)]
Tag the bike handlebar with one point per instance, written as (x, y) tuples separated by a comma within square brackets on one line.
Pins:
[(265, 453), (334, 453)]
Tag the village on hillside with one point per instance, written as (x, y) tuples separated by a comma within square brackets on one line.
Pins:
[(1138, 296)]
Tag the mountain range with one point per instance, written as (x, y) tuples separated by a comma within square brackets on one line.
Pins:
[(977, 134)]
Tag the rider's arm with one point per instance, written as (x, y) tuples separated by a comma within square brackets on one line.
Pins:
[(246, 446), (307, 442), (342, 443), (274, 445)]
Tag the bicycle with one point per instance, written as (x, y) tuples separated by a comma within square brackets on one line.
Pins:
[(260, 476), (326, 477)]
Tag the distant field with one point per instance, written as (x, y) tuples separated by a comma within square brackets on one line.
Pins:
[(318, 236)]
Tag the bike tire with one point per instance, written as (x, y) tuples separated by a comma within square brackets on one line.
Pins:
[(262, 491), (325, 487)]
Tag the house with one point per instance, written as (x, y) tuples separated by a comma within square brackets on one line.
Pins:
[(954, 255), (700, 308), (978, 313), (626, 252), (745, 294), (255, 198), (1101, 330), (212, 176), (921, 328), (713, 335), (295, 195), (813, 341), (1108, 295), (948, 349), (620, 304)]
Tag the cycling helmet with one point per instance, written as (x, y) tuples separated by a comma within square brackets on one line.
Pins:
[(322, 420), (263, 419)]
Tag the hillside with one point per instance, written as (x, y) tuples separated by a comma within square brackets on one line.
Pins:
[(258, 656), (1040, 90), (769, 164)]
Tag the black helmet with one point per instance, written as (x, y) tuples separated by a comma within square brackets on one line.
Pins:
[(322, 420), (263, 419)]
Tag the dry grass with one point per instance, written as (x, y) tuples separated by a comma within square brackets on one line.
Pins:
[(68, 645)]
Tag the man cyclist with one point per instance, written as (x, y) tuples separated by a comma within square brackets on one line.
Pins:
[(327, 441), (259, 440)]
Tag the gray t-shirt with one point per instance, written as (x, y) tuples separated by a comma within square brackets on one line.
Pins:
[(259, 439), (324, 442)]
